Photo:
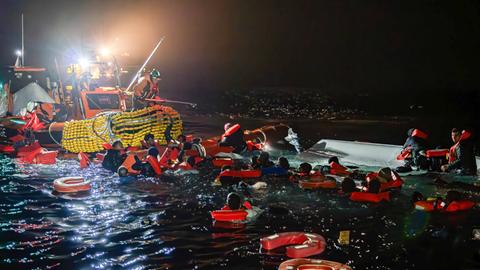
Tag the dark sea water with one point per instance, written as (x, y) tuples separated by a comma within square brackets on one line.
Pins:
[(164, 223)]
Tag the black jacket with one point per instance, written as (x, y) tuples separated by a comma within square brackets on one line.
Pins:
[(113, 160)]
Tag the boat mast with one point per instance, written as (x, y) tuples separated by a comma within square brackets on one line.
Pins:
[(23, 45)]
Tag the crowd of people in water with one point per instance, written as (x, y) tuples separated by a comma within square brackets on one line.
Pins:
[(190, 155)]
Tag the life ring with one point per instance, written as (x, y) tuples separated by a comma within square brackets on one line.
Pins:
[(229, 215), (71, 184), (429, 206), (312, 264), (317, 184), (370, 197), (300, 244)]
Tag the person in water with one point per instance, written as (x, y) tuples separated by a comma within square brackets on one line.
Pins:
[(114, 157), (235, 202), (149, 141), (348, 185), (462, 154), (440, 203), (282, 168), (233, 137), (263, 161), (414, 150)]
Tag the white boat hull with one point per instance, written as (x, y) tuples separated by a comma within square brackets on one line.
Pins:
[(358, 153)]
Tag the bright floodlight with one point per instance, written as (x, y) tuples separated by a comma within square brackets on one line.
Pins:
[(83, 62), (105, 52), (18, 53)]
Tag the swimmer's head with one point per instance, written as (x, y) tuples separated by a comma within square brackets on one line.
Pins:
[(305, 168), (234, 201), (283, 163)]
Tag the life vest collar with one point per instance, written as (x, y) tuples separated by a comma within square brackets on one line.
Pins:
[(419, 134)]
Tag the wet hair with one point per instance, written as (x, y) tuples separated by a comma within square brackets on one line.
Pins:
[(197, 140), (153, 151), (348, 185), (374, 186), (234, 201), (283, 163), (116, 143), (191, 161), (333, 159), (263, 158), (456, 130), (148, 137), (181, 136), (122, 171), (305, 167)]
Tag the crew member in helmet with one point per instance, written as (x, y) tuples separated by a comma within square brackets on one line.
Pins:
[(146, 88)]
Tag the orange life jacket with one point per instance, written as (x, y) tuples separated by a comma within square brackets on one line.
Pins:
[(452, 155)]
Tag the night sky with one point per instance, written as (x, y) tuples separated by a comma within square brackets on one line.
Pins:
[(354, 46)]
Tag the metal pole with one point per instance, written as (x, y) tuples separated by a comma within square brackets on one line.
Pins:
[(144, 64), (23, 45)]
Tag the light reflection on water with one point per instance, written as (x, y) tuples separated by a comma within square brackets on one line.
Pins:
[(164, 223)]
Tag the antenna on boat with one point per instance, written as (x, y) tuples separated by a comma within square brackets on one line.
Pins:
[(144, 64), (23, 45)]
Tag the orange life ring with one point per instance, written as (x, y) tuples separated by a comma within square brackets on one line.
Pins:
[(317, 184), (300, 244), (153, 161), (71, 184), (312, 264)]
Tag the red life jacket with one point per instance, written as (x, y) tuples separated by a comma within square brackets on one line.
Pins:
[(33, 122), (370, 197), (337, 169), (419, 134), (452, 156), (251, 146), (231, 130), (84, 161), (155, 164), (246, 205)]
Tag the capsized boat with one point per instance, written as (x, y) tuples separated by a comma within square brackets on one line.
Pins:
[(358, 153)]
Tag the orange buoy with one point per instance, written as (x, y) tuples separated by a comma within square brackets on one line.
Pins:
[(299, 244), (71, 184), (312, 264)]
